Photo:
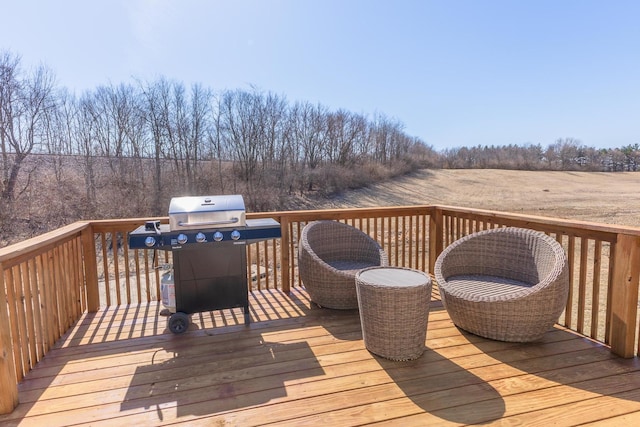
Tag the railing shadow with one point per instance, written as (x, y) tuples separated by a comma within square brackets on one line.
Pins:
[(565, 358), (562, 366), (443, 389), (222, 365), (212, 368), (227, 381), (232, 378)]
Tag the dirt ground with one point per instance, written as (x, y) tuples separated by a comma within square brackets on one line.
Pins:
[(612, 198)]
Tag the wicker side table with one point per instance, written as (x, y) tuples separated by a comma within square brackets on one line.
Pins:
[(394, 311)]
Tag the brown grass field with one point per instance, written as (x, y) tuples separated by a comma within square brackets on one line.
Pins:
[(612, 198)]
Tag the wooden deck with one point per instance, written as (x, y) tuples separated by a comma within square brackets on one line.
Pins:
[(297, 364)]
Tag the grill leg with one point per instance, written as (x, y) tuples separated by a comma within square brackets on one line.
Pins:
[(247, 317)]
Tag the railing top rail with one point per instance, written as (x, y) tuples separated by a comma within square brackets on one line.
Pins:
[(102, 225), (348, 213), (14, 254), (569, 226)]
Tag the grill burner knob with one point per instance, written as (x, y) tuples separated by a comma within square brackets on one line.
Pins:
[(235, 234), (149, 241), (217, 236), (182, 238), (200, 237)]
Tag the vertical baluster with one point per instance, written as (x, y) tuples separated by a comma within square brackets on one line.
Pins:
[(127, 273), (116, 263), (571, 256), (73, 282), (410, 232), (423, 245), (13, 320), (138, 279), (50, 288), (80, 282), (36, 294), (401, 241), (67, 277), (582, 282), (58, 279), (45, 303), (105, 268), (274, 263), (265, 249), (389, 247), (147, 274), (8, 366), (29, 315), (595, 293)]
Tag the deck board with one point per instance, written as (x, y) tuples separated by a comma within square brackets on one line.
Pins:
[(297, 364)]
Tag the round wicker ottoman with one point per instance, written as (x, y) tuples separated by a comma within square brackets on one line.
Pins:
[(394, 310)]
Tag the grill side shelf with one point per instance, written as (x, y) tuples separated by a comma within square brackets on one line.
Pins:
[(138, 237)]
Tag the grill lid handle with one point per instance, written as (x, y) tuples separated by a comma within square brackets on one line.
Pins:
[(205, 223)]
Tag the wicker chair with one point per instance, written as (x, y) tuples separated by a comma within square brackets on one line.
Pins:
[(507, 284), (330, 254)]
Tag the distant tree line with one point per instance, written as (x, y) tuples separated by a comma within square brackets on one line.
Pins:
[(564, 154)]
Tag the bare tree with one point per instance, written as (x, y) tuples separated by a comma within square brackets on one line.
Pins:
[(241, 131), (632, 156), (24, 104), (84, 141), (58, 134), (9, 87), (117, 121), (198, 118), (343, 129), (156, 105), (273, 132), (385, 132), (174, 110), (178, 125), (566, 151), (215, 142), (309, 128)]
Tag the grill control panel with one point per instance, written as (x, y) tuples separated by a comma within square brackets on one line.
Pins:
[(163, 238)]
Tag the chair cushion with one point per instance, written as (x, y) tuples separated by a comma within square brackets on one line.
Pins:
[(484, 288), (350, 266)]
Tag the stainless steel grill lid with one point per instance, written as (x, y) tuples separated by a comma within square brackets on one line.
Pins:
[(202, 212)]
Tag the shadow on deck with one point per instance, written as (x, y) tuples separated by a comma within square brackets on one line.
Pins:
[(297, 364)]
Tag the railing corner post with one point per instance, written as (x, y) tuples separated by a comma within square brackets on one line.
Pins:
[(90, 269), (8, 378), (285, 262), (435, 236), (624, 295)]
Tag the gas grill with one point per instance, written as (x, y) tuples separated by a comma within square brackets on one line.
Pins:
[(208, 237)]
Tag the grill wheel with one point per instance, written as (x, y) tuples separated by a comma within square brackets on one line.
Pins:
[(179, 322)]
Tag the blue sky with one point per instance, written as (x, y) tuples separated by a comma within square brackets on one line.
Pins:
[(455, 72)]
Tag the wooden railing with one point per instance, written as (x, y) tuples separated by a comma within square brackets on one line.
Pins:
[(43, 292), (50, 281)]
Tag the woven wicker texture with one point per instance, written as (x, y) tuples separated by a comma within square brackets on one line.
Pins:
[(507, 284), (394, 311), (330, 254)]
